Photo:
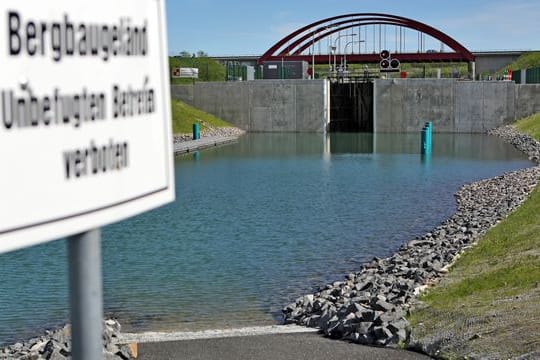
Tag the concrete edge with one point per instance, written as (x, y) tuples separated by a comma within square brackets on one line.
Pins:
[(202, 143), (125, 338)]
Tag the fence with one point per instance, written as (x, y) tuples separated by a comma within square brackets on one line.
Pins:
[(516, 76), (532, 76), (527, 76)]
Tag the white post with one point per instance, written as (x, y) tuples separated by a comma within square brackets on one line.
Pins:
[(472, 69), (334, 60), (313, 59)]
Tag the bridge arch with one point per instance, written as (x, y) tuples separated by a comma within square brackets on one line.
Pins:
[(294, 45)]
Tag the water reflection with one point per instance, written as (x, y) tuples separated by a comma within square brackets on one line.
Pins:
[(470, 146), (476, 146), (352, 143), (425, 159)]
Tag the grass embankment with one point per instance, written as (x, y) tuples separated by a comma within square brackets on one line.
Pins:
[(530, 125), (184, 116), (489, 303)]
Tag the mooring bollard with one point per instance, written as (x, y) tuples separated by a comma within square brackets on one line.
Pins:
[(426, 138), (429, 124), (423, 141), (196, 134)]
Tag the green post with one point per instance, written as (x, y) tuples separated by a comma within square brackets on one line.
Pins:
[(196, 134), (426, 138)]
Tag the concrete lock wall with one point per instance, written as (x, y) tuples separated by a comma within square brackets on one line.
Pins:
[(400, 105), (263, 105), (403, 105), (527, 100), (182, 92)]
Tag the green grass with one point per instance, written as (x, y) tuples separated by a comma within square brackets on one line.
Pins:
[(490, 300), (506, 260), (530, 125), (209, 69), (184, 116)]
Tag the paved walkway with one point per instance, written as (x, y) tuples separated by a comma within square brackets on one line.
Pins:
[(308, 346), (202, 143), (275, 342)]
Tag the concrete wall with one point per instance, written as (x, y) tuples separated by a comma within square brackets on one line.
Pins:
[(263, 105), (527, 100), (403, 105), (182, 92), (400, 105)]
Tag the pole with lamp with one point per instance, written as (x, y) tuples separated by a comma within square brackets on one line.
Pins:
[(330, 48), (331, 52), (345, 51), (334, 47)]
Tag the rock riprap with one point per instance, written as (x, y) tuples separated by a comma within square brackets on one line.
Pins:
[(56, 345), (522, 142), (369, 306)]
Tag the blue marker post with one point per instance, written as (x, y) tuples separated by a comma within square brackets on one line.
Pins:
[(430, 133), (196, 133), (427, 131)]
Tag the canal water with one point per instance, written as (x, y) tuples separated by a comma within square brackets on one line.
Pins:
[(255, 225)]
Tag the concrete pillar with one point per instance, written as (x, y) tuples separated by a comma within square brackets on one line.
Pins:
[(327, 99), (472, 70)]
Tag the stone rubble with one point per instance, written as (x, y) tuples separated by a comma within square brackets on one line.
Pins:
[(56, 345), (222, 131), (522, 142), (369, 306)]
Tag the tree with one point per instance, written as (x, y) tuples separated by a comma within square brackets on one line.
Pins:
[(185, 53), (201, 53)]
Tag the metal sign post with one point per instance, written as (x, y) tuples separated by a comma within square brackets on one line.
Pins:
[(86, 299), (85, 117)]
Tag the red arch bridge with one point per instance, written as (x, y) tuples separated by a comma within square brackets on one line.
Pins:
[(361, 38)]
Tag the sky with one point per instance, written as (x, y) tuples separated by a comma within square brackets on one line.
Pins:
[(239, 27)]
